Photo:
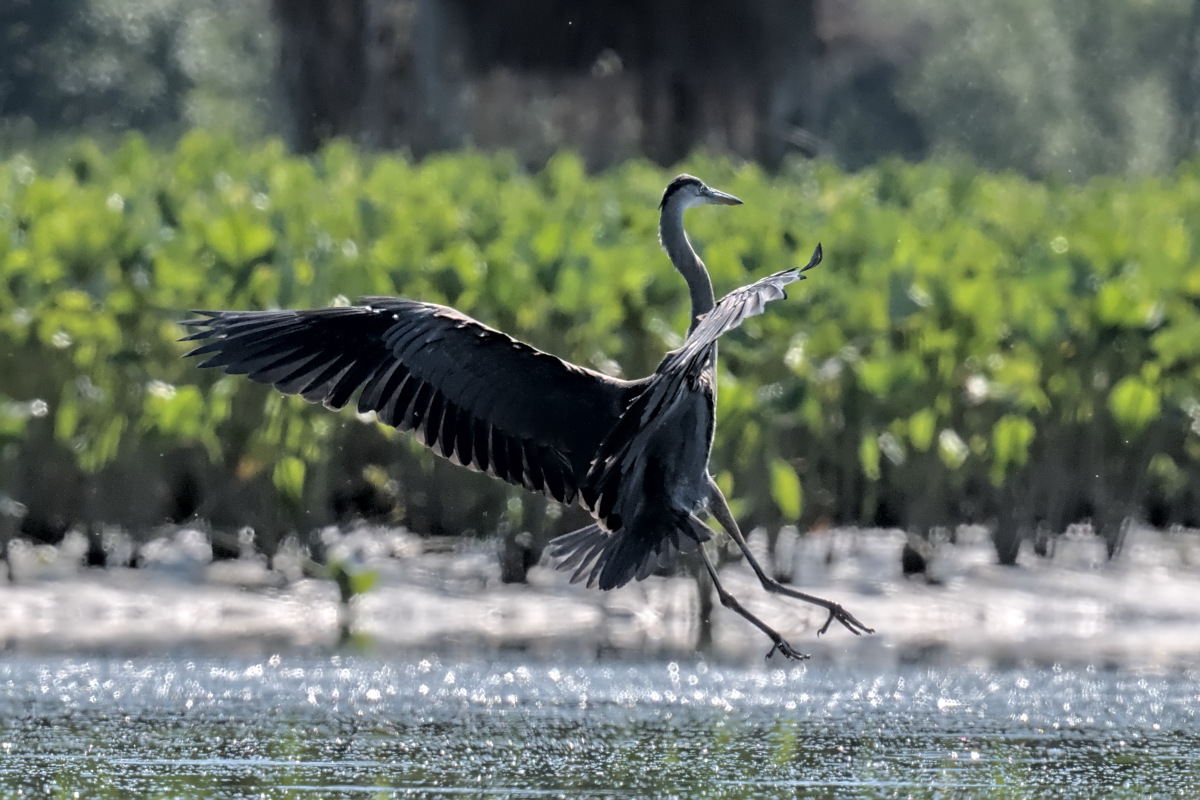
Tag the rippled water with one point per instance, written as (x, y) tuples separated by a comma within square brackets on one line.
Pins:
[(353, 727)]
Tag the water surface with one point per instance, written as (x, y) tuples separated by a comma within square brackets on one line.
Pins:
[(337, 726)]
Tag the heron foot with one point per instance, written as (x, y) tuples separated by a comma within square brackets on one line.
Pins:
[(788, 652), (847, 619), (836, 612)]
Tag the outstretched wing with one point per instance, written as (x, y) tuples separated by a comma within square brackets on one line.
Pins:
[(471, 393), (729, 313)]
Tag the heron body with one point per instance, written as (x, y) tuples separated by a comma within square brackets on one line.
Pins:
[(633, 453)]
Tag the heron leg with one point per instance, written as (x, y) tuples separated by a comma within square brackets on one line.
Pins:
[(720, 510), (731, 602)]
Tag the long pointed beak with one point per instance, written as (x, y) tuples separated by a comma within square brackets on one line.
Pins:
[(721, 198)]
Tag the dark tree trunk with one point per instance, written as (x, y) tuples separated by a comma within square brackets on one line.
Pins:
[(322, 67), (1188, 87), (435, 74)]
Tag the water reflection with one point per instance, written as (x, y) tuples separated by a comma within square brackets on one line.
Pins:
[(307, 727)]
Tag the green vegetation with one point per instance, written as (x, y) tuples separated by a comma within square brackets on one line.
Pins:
[(975, 346)]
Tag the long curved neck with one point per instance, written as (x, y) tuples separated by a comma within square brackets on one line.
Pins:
[(674, 240)]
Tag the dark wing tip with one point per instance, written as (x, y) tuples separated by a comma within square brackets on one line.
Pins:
[(190, 325), (208, 317), (205, 323), (817, 255)]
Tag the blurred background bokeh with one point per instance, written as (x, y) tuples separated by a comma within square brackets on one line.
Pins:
[(1001, 348), (1050, 90)]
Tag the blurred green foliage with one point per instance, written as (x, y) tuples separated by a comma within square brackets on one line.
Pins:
[(1062, 88), (975, 346), (159, 66)]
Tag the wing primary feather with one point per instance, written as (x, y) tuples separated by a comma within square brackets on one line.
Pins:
[(533, 471), (449, 435), (395, 395), (817, 255), (372, 392), (286, 371), (406, 398), (463, 438), (317, 386), (499, 454), (480, 445), (416, 414), (259, 340), (225, 331), (351, 379), (236, 361), (433, 418), (516, 466), (552, 472)]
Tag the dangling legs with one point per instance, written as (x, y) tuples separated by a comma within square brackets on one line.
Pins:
[(720, 510), (730, 602)]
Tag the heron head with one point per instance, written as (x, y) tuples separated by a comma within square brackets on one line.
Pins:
[(689, 191)]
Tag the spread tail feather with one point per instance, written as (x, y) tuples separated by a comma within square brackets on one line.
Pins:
[(609, 560)]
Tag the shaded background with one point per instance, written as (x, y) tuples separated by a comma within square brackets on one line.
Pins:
[(1049, 89), (1006, 334)]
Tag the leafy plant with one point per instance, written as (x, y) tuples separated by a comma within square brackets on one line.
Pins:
[(975, 346)]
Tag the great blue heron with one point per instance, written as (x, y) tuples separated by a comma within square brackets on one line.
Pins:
[(633, 453)]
